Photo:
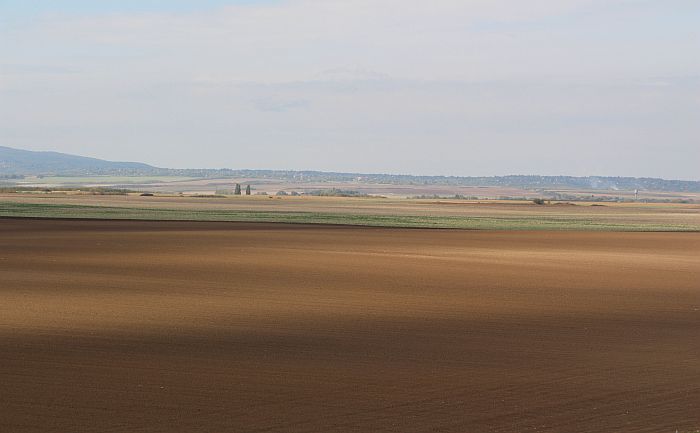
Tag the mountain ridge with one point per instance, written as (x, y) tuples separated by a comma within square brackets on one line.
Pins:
[(16, 163), (27, 162)]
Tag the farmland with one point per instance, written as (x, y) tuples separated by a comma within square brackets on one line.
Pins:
[(382, 212), (393, 186), (218, 326)]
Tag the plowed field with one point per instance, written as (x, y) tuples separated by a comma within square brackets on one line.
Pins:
[(138, 326)]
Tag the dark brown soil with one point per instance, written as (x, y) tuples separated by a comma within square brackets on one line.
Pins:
[(220, 327)]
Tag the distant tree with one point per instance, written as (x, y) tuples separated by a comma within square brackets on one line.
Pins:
[(237, 191), (247, 190)]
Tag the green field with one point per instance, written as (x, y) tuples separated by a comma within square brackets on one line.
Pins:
[(536, 222)]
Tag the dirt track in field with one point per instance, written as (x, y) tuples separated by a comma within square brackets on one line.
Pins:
[(224, 327)]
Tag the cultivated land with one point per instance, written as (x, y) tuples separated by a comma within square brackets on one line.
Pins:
[(132, 326), (383, 212), (418, 187)]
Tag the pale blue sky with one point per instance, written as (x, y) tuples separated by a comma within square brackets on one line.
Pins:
[(463, 87), (24, 7)]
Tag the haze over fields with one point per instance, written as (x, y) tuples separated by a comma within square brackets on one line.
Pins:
[(452, 87), (32, 168)]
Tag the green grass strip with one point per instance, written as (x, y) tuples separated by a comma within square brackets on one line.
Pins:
[(32, 210)]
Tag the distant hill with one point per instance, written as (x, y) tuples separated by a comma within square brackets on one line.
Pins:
[(18, 163), (25, 162)]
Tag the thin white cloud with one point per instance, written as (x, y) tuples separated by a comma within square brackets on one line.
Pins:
[(489, 86)]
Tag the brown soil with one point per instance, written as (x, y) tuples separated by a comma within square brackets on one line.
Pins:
[(218, 327)]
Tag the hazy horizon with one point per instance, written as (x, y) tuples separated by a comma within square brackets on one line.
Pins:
[(464, 88), (160, 166)]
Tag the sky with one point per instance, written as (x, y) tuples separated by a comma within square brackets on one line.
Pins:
[(446, 87)]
